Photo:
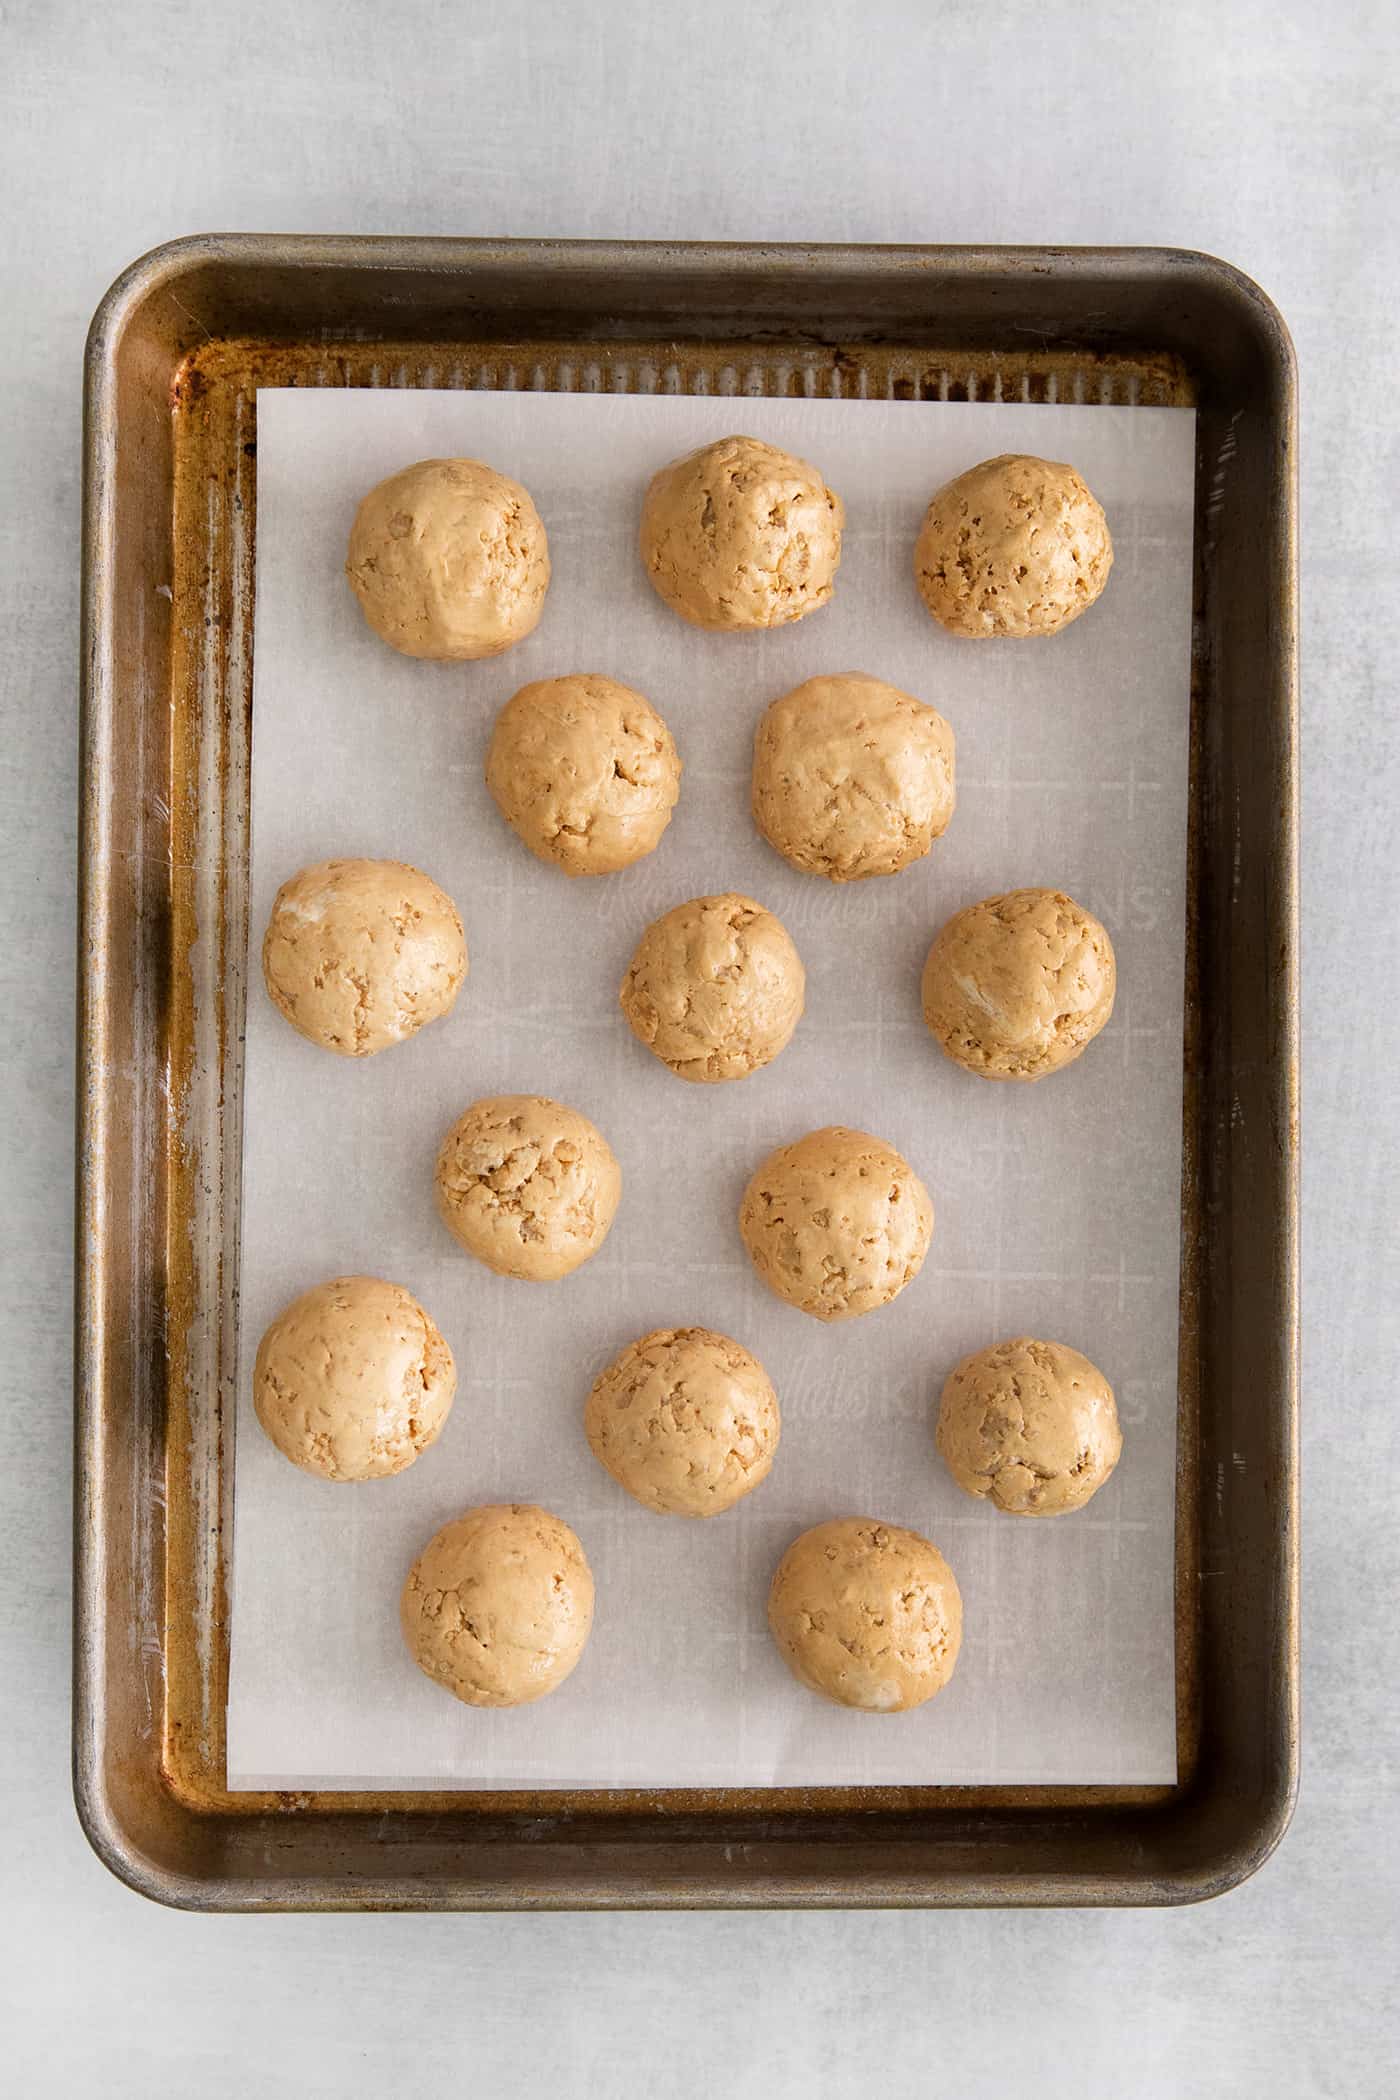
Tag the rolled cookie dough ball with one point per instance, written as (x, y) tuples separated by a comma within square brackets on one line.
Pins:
[(1019, 985), (741, 535), (851, 777), (527, 1186), (497, 1607), (867, 1614), (359, 954), (1030, 1425), (584, 770), (715, 988), (353, 1380), (685, 1420), (1016, 546), (836, 1224), (449, 560)]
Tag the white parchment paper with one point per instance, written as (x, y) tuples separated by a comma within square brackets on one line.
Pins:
[(1057, 1205)]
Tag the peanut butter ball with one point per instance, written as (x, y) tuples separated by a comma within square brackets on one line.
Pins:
[(449, 560), (837, 1224), (1017, 546), (1019, 985), (498, 1606), (715, 988), (867, 1614), (740, 535), (528, 1186), (361, 954), (851, 777), (584, 771), (353, 1380), (684, 1419), (1030, 1426)]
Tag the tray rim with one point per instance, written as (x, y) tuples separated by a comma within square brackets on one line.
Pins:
[(159, 271)]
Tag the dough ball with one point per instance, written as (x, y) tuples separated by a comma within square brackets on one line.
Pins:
[(584, 770), (866, 1614), (1030, 1425), (449, 560), (685, 1420), (741, 535), (497, 1607), (1019, 985), (715, 988), (353, 1380), (528, 1186), (851, 777), (1016, 546), (359, 954), (837, 1223)]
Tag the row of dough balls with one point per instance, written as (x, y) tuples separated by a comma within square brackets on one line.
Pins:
[(353, 1380), (836, 1223), (360, 954), (498, 1607), (851, 776), (449, 559)]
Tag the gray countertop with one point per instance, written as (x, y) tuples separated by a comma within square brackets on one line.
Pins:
[(1268, 134)]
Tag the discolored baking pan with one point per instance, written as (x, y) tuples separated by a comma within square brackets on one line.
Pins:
[(176, 353)]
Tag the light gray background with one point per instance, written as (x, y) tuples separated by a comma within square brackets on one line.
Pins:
[(1268, 133)]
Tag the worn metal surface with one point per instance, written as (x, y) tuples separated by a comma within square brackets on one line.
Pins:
[(176, 354)]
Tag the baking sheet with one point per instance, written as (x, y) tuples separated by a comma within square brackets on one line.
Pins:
[(1057, 1205)]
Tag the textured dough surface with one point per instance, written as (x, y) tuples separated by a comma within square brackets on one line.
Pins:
[(1031, 1426), (867, 1614), (353, 1379), (851, 777), (585, 771), (715, 988), (497, 1607), (837, 1223), (1019, 985), (740, 535), (684, 1419), (1016, 546), (449, 560), (360, 954), (528, 1186)]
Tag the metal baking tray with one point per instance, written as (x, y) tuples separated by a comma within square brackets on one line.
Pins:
[(177, 351)]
